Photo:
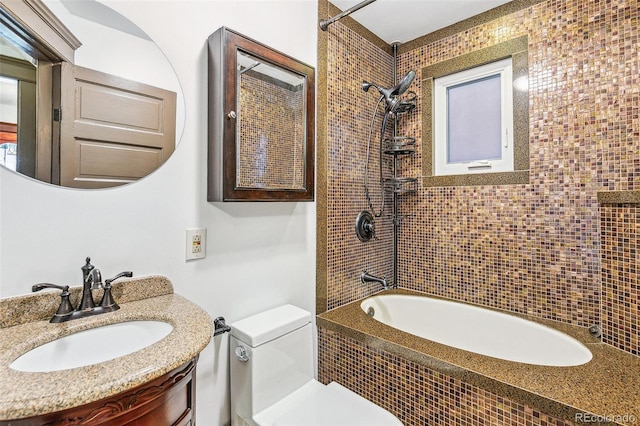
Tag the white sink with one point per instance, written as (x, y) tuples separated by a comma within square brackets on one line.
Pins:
[(92, 346)]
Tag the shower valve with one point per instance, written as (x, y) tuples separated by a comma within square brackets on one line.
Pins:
[(365, 228)]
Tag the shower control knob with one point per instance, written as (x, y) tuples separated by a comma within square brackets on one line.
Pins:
[(365, 228), (231, 115), (241, 353)]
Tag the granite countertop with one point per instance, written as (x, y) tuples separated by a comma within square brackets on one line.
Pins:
[(22, 328), (608, 385)]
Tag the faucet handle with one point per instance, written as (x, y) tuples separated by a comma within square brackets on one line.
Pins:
[(128, 274), (65, 309), (107, 301), (41, 286)]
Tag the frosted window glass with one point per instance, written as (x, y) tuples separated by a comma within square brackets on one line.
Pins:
[(474, 120)]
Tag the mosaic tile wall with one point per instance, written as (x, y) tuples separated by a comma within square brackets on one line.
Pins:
[(352, 59), (533, 248), (620, 266), (279, 166), (415, 394), (545, 249)]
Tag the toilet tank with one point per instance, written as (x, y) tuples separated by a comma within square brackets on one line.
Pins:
[(278, 359)]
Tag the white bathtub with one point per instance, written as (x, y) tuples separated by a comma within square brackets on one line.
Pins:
[(478, 330)]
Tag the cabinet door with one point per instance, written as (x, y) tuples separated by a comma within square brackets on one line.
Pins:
[(261, 122), (167, 400)]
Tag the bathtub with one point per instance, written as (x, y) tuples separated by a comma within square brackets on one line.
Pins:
[(478, 330)]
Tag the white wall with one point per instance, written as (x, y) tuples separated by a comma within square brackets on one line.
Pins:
[(258, 255)]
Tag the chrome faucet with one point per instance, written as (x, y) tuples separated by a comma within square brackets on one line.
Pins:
[(366, 277), (91, 280)]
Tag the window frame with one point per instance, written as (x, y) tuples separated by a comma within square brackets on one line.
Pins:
[(441, 144), (517, 50)]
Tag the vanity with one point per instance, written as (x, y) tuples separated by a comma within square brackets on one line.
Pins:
[(151, 386)]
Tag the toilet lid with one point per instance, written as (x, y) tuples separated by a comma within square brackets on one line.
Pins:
[(337, 406)]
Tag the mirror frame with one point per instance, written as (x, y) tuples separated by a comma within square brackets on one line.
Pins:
[(223, 46)]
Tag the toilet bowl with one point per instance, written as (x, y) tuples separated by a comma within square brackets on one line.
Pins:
[(272, 380)]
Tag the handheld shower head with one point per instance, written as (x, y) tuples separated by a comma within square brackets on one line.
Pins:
[(404, 84), (392, 94)]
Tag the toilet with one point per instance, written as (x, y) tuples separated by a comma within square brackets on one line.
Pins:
[(272, 381)]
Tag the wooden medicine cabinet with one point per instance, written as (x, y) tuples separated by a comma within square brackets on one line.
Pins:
[(261, 122)]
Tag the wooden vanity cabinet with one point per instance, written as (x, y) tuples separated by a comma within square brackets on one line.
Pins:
[(167, 400)]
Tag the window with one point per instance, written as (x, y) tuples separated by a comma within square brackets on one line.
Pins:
[(473, 117)]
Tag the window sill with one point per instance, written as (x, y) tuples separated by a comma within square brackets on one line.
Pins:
[(518, 177)]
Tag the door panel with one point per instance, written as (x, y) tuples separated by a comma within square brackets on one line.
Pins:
[(122, 130), (115, 163)]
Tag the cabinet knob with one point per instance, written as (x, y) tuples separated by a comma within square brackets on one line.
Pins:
[(231, 115)]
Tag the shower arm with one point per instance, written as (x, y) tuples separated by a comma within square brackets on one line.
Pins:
[(324, 23)]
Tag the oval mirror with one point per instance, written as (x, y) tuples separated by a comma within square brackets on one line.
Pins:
[(87, 99)]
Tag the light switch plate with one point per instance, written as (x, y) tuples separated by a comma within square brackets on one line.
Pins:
[(196, 247)]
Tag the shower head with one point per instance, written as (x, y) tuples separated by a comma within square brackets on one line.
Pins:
[(404, 83), (392, 94)]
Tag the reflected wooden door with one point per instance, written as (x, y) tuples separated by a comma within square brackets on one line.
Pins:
[(112, 130)]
